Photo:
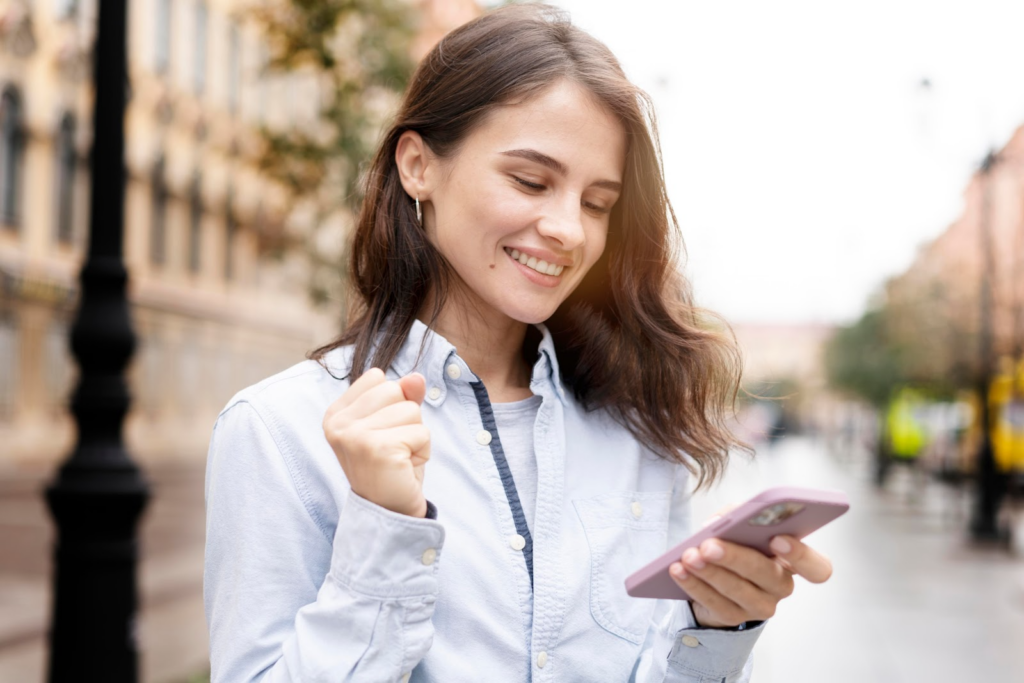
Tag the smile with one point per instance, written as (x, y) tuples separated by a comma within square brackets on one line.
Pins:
[(532, 262)]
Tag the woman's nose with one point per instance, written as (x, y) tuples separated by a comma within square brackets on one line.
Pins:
[(564, 224)]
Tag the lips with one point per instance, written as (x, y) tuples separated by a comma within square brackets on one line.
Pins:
[(532, 262)]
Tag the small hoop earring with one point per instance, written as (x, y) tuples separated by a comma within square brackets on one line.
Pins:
[(419, 212)]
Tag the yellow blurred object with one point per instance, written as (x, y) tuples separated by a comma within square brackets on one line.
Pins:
[(907, 435), (1006, 404)]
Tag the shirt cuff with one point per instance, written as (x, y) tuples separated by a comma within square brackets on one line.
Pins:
[(709, 652), (381, 553)]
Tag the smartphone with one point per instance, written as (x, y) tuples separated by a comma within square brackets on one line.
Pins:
[(782, 510)]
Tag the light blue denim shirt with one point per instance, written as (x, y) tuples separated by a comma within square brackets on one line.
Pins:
[(306, 581)]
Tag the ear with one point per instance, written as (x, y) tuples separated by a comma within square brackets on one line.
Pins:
[(417, 166)]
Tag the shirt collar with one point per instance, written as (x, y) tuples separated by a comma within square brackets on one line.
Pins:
[(439, 355)]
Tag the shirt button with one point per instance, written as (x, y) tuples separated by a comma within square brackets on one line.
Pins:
[(454, 371), (517, 542), (690, 641), (542, 659), (435, 393), (483, 437), (429, 555), (637, 509)]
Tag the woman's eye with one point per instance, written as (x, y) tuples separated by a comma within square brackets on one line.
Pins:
[(527, 183), (595, 208)]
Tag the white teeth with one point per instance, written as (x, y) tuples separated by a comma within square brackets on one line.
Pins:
[(540, 266)]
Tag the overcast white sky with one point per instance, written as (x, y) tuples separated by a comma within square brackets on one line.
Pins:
[(804, 160)]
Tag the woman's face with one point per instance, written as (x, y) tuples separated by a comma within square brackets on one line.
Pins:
[(533, 182)]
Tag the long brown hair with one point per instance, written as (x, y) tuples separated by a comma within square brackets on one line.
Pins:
[(629, 338)]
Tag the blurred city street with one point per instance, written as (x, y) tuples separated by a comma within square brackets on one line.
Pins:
[(911, 601), (172, 628)]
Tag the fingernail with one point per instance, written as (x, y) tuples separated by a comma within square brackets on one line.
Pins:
[(692, 557), (780, 545), (712, 551), (678, 571)]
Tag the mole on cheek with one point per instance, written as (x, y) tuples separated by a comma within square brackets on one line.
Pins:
[(492, 265)]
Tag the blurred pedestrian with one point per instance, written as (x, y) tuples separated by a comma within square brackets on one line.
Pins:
[(457, 487)]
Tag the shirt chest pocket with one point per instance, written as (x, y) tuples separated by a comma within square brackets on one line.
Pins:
[(624, 531)]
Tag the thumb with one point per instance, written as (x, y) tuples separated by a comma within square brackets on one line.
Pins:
[(414, 386)]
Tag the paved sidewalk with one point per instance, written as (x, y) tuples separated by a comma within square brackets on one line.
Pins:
[(911, 600), (173, 640)]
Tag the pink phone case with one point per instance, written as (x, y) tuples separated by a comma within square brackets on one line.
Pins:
[(782, 510)]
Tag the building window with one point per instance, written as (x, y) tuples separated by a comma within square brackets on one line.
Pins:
[(12, 156), (234, 67), (158, 219), (262, 86), (9, 364), (67, 165), (59, 368), (199, 66), (195, 223), (65, 9), (162, 44), (230, 230)]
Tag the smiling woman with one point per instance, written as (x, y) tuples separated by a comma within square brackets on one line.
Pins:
[(522, 332)]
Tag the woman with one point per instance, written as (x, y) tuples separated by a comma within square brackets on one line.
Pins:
[(526, 359)]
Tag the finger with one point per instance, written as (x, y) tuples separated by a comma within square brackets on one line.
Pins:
[(721, 608), (749, 564), (385, 394), (756, 603), (416, 438), (415, 387), (366, 381), (803, 559), (394, 415)]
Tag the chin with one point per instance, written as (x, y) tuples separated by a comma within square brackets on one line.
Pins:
[(531, 315)]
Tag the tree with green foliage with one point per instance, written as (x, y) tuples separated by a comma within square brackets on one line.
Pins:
[(358, 51), (861, 359)]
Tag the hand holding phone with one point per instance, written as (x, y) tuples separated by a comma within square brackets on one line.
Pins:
[(778, 511)]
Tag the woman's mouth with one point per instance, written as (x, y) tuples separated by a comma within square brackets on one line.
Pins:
[(533, 263)]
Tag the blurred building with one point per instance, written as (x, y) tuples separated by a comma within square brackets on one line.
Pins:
[(941, 290), (785, 364), (217, 264)]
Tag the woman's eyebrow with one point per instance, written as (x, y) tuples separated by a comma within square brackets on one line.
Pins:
[(555, 165)]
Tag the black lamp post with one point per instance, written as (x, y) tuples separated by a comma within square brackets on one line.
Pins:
[(989, 482), (99, 494)]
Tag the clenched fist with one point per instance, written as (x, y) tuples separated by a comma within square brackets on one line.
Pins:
[(378, 435)]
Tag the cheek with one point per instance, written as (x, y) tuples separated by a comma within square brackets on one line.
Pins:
[(596, 242)]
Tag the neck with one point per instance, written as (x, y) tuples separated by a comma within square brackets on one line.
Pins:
[(491, 344)]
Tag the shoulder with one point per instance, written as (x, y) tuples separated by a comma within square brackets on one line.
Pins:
[(306, 386), (270, 435), (287, 407)]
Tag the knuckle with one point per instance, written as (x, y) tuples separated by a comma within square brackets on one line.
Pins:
[(413, 408), (395, 393)]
